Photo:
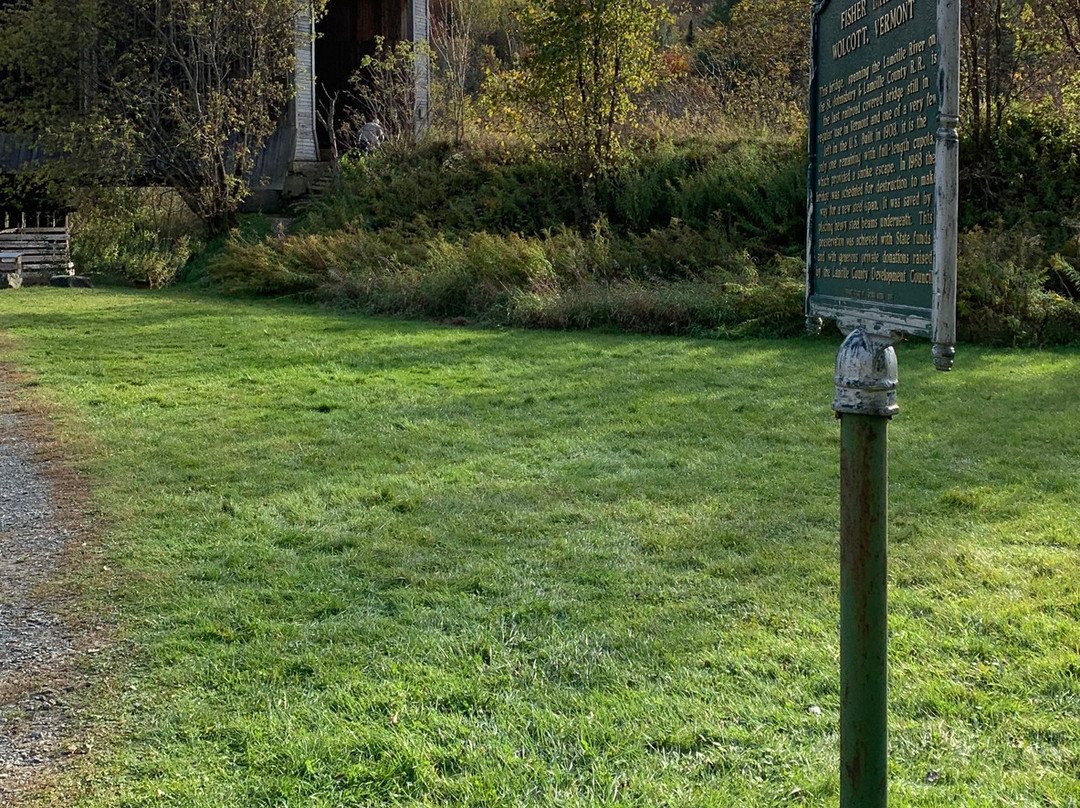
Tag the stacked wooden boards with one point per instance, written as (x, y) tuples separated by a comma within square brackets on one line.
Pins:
[(34, 255)]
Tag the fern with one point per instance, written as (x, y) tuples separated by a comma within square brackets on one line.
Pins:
[(1067, 273)]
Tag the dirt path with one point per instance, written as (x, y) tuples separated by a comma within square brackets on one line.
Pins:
[(41, 519)]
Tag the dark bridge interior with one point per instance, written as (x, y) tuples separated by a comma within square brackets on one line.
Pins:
[(347, 33)]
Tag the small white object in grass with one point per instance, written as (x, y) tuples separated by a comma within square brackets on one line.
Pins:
[(813, 709)]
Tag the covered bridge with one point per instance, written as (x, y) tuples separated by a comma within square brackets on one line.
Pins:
[(328, 51)]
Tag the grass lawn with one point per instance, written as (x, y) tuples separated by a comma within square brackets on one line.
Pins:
[(373, 562)]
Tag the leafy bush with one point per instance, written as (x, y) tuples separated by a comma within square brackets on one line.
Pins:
[(306, 264), (1001, 290), (582, 66), (132, 235), (450, 191), (257, 269), (562, 279), (1060, 320), (751, 194), (1020, 200), (1030, 176), (754, 192), (700, 236)]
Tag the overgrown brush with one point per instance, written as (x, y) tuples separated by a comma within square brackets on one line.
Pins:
[(695, 307), (703, 236), (1030, 176), (755, 193), (1002, 288), (141, 236), (562, 279)]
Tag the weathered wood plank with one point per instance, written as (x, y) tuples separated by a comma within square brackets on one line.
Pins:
[(306, 148), (41, 250)]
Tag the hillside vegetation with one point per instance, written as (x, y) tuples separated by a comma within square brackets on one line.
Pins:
[(659, 190), (702, 236)]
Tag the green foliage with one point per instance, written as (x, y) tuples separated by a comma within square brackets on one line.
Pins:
[(1020, 198), (666, 281), (385, 87), (582, 63), (1002, 294), (178, 92), (303, 264), (751, 193), (1030, 173), (28, 191), (999, 276), (754, 192), (688, 241), (1015, 57), (453, 191), (751, 62), (477, 275), (1060, 320), (720, 11), (128, 235), (41, 43)]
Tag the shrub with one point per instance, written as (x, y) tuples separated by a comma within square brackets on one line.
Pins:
[(560, 280), (132, 235), (309, 263), (1061, 320), (256, 269), (1000, 277), (453, 192), (581, 68), (679, 252), (1029, 176), (753, 195), (1001, 290)]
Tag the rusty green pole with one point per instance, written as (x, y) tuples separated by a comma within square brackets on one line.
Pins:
[(865, 401)]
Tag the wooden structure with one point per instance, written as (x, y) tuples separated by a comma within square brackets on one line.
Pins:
[(11, 269), (328, 51), (34, 255)]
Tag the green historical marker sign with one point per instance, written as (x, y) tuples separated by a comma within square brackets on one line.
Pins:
[(883, 162), (881, 260)]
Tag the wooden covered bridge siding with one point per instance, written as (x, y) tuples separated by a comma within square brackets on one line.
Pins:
[(329, 51)]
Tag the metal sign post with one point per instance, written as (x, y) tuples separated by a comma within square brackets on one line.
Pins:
[(881, 261), (865, 401)]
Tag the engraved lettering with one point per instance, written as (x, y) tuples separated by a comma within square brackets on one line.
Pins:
[(852, 42), (852, 14), (894, 17)]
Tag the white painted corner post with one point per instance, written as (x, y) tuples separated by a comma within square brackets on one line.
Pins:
[(421, 49), (307, 147), (947, 185)]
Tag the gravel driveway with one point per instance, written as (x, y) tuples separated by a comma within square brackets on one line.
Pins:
[(40, 518)]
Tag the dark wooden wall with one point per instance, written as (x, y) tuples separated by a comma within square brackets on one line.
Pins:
[(347, 33)]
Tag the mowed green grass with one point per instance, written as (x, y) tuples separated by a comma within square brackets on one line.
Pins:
[(372, 562)]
